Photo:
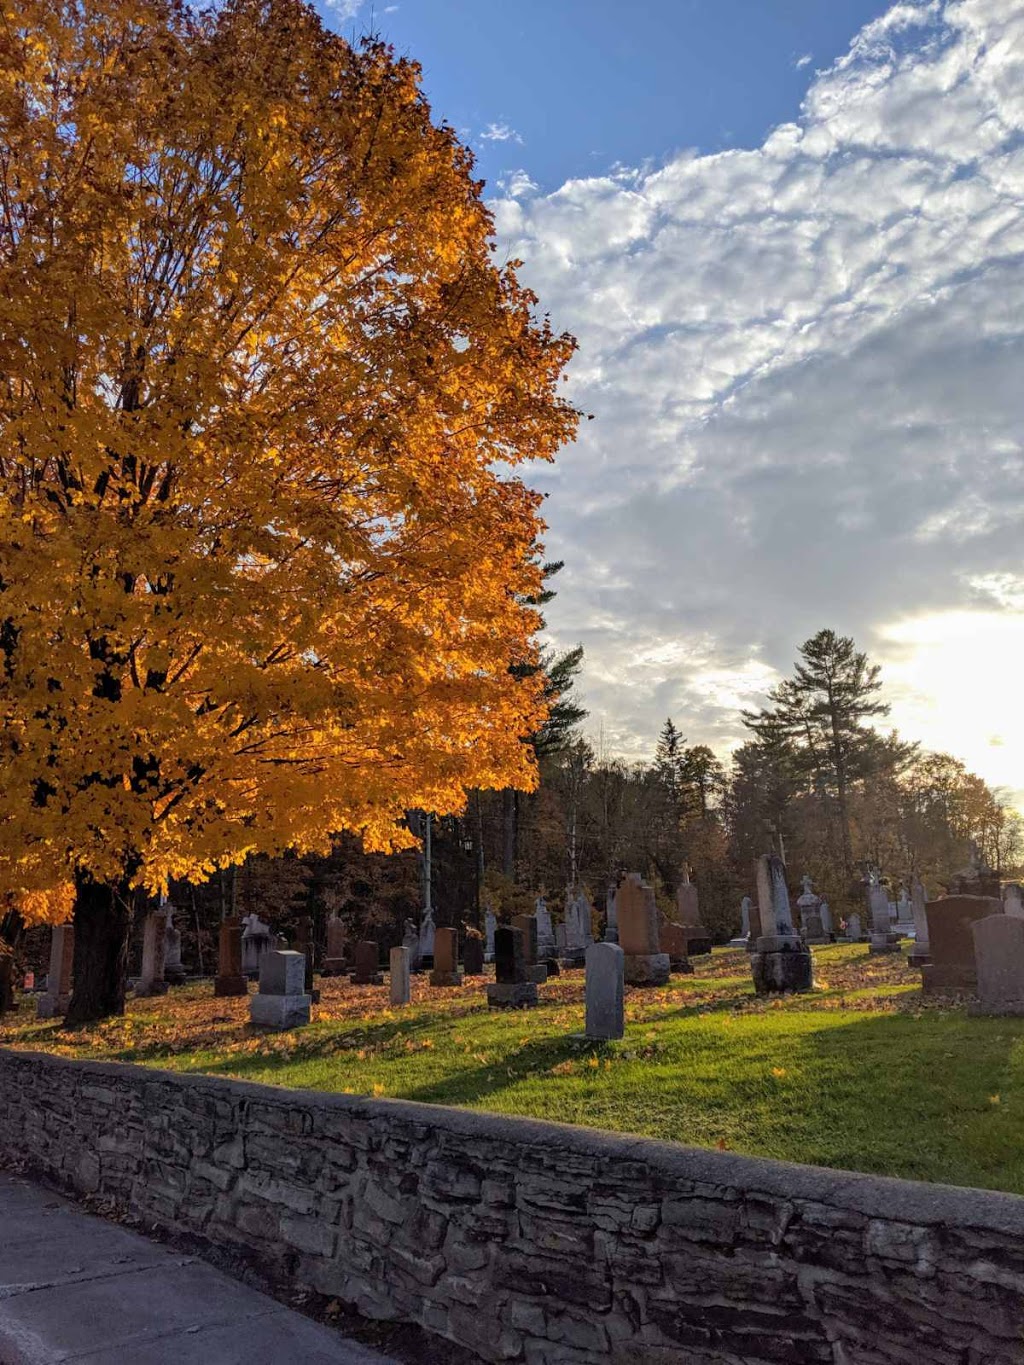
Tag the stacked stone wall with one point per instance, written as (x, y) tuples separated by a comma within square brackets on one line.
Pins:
[(535, 1242)]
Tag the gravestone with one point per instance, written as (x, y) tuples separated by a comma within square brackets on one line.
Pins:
[(473, 955), (611, 917), (334, 959), (490, 924), (427, 932), (304, 945), (366, 962), (952, 969), (883, 939), (230, 979), (281, 1001), (919, 952), (535, 971), (826, 921), (854, 930), (174, 971), (511, 987), (446, 959), (545, 933), (411, 940), (400, 989), (999, 957), (54, 1002), (256, 942), (742, 939), (154, 945), (904, 914), (605, 1013), (645, 964), (672, 940), (809, 905), (578, 931), (781, 961), (1013, 900), (697, 938)]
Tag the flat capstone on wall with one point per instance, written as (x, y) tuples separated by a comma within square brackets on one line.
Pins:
[(536, 1242)]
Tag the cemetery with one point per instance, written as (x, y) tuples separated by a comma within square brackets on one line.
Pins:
[(385, 977)]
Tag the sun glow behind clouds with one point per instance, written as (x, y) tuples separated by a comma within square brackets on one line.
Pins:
[(955, 683), (804, 363)]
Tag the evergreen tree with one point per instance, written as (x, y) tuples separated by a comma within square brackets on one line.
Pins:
[(824, 709)]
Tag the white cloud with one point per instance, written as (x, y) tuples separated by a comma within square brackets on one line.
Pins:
[(803, 61), (500, 132), (344, 9), (805, 364), (517, 183)]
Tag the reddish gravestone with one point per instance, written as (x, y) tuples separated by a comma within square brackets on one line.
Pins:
[(230, 980), (953, 968), (673, 939), (367, 965)]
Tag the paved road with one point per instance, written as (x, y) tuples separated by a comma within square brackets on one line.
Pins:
[(76, 1288)]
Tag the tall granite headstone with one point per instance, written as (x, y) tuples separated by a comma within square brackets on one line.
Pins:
[(473, 955), (605, 1012), (446, 959), (781, 961), (919, 952), (334, 958), (154, 945), (366, 962), (230, 979), (953, 969), (511, 987), (999, 956), (645, 963), (54, 1002), (400, 990)]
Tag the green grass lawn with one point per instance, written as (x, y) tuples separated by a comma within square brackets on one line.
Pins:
[(860, 1074)]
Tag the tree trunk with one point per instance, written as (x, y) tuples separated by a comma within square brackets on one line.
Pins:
[(509, 813), (103, 918), (10, 932)]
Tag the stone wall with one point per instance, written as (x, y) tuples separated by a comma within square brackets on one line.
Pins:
[(535, 1242)]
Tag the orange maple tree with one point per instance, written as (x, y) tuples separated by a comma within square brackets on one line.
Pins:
[(264, 551)]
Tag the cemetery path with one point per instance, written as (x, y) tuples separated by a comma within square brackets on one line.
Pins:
[(77, 1288)]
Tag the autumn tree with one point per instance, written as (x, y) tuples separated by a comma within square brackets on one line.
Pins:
[(266, 559)]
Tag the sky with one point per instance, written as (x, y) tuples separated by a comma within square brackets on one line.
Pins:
[(789, 237)]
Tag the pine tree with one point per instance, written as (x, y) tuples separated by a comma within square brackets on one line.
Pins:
[(823, 710)]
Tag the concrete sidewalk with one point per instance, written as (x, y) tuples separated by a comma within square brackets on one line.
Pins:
[(76, 1288)]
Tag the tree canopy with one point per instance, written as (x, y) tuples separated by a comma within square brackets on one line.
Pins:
[(266, 561)]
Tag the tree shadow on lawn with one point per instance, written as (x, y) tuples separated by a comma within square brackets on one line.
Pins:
[(893, 1095)]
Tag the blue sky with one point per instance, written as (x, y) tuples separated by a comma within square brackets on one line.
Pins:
[(797, 289), (587, 84)]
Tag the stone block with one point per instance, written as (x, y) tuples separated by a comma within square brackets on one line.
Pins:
[(781, 963), (647, 969), (280, 1011), (283, 972), (511, 994), (999, 957)]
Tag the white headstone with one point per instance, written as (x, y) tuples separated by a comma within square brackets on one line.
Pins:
[(780, 895), (400, 992), (1013, 900), (490, 924), (546, 946), (427, 934), (918, 902), (826, 917)]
